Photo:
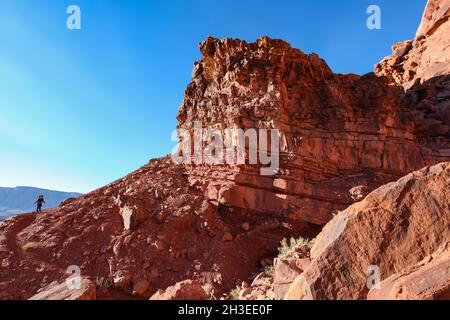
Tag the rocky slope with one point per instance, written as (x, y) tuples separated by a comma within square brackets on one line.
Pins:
[(401, 231), (341, 136), (152, 229)]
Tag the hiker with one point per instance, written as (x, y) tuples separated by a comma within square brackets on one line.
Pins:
[(39, 203)]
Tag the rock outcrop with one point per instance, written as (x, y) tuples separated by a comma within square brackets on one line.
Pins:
[(395, 227), (426, 57), (182, 237), (341, 136)]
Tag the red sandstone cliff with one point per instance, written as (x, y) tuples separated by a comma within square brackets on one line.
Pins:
[(401, 228), (342, 136), (416, 61), (338, 132)]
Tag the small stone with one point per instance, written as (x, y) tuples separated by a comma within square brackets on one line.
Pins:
[(227, 237)]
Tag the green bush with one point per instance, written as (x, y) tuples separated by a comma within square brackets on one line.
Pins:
[(287, 245), (235, 293), (103, 283), (268, 270)]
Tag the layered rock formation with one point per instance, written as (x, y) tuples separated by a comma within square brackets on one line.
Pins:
[(153, 227), (338, 133), (341, 136)]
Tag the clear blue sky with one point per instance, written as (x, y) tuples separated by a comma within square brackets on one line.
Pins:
[(79, 109)]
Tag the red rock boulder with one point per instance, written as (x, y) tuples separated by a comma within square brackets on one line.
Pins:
[(395, 227)]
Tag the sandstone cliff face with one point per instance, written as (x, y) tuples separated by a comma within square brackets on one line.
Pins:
[(427, 56), (142, 233), (341, 136), (395, 227)]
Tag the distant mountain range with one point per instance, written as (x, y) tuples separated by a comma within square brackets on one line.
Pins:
[(18, 200)]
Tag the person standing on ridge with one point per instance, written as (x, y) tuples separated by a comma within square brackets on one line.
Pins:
[(40, 201)]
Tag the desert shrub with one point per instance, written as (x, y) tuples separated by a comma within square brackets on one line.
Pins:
[(103, 283), (268, 270), (235, 293), (287, 245)]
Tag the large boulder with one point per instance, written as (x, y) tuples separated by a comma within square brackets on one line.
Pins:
[(395, 227), (428, 280)]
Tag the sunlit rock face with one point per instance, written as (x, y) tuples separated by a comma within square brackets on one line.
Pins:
[(340, 137), (339, 134), (417, 61)]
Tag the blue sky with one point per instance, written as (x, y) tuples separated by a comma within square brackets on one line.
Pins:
[(81, 108)]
